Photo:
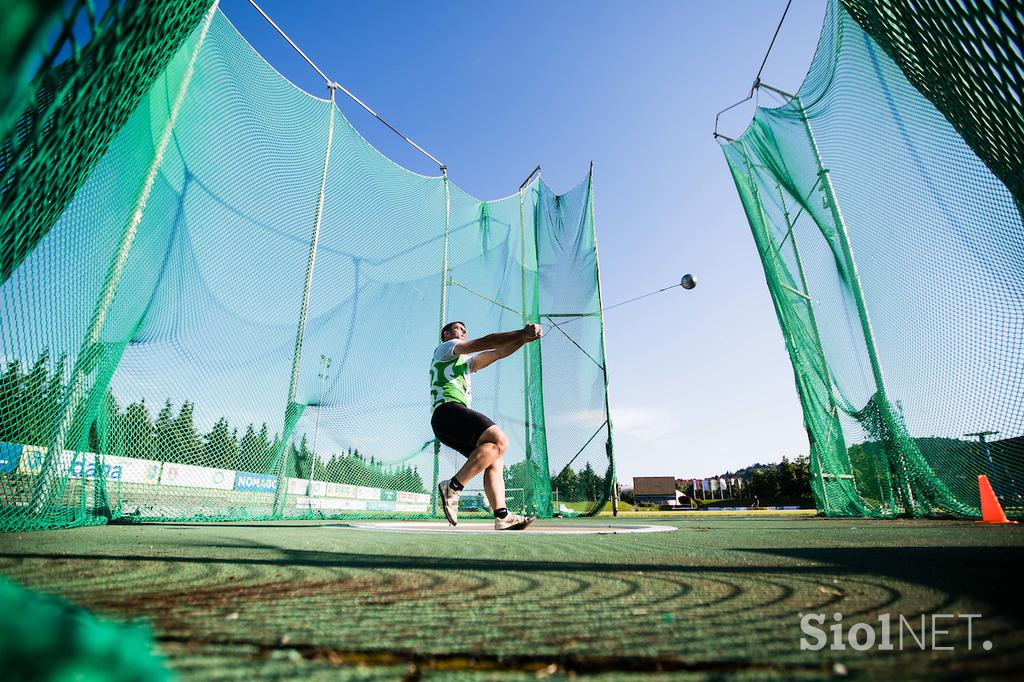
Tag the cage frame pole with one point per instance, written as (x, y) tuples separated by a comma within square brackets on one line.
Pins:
[(613, 492), (527, 441), (441, 322), (867, 329), (75, 391), (772, 280), (833, 410), (290, 418), (530, 382)]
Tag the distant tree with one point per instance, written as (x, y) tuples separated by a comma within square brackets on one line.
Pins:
[(291, 457), (265, 452), (166, 450), (868, 461), (139, 434), (803, 475), (275, 447), (589, 484), (248, 450), (787, 478), (116, 437), (36, 429), (764, 483), (11, 398), (53, 398), (416, 484), (220, 449), (188, 445), (566, 483)]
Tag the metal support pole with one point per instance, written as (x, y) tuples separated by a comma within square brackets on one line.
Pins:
[(539, 501), (847, 249), (825, 377), (773, 287), (441, 323), (527, 440), (609, 448), (293, 386), (90, 350), (867, 331)]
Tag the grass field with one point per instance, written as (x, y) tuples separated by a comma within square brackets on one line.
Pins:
[(718, 598)]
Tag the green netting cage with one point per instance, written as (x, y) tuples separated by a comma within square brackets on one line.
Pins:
[(893, 249), (228, 306)]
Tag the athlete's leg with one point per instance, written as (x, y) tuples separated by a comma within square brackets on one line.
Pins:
[(494, 484), (490, 446)]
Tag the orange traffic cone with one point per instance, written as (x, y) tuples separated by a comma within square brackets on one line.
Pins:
[(991, 510)]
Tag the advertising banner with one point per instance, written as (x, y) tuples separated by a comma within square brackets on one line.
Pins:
[(10, 455), (113, 468), (32, 460), (261, 483), (364, 493), (187, 475), (341, 490)]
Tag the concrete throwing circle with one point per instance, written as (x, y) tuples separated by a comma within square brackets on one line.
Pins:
[(487, 527)]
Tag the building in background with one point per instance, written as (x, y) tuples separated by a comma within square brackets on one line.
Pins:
[(659, 490)]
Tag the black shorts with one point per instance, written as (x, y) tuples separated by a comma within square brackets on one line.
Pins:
[(459, 427)]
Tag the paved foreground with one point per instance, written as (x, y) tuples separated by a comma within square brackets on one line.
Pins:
[(721, 597)]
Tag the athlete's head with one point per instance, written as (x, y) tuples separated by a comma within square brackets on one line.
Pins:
[(453, 330)]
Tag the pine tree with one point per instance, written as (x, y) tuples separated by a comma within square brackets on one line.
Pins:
[(53, 398), (248, 450), (787, 478), (275, 447), (11, 401), (291, 463), (36, 430), (165, 445), (265, 451), (139, 433), (116, 425), (217, 450), (233, 445), (566, 483), (589, 484), (333, 469), (188, 444), (417, 482)]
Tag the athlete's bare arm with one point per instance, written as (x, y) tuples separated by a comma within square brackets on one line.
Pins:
[(530, 332), (497, 340)]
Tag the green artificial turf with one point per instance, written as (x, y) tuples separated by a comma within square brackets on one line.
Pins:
[(718, 597)]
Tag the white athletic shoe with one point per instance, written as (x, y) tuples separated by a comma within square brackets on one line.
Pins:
[(449, 501), (513, 522)]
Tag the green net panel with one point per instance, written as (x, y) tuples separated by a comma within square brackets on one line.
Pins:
[(967, 58), (72, 109), (234, 315), (895, 260), (47, 638)]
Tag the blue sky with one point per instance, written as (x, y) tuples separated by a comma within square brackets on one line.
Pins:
[(700, 381)]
